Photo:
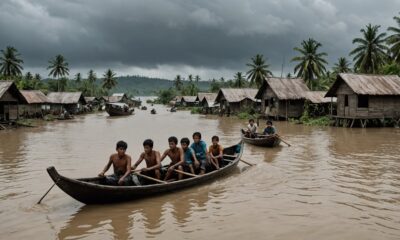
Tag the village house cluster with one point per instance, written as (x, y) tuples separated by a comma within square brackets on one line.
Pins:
[(352, 99), (16, 104)]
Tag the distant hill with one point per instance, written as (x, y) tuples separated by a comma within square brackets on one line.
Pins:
[(146, 86)]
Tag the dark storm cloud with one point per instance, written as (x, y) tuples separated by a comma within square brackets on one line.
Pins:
[(210, 37)]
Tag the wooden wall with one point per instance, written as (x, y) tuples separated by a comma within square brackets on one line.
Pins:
[(378, 106)]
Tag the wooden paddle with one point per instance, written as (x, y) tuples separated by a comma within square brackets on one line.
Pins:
[(149, 178), (46, 193), (226, 155), (185, 173), (282, 140)]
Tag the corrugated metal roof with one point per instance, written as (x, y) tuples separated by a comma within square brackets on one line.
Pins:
[(236, 94), (189, 99), (65, 97), (285, 88), (318, 97), (34, 96), (365, 84)]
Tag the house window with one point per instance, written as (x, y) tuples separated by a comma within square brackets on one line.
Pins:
[(363, 101), (346, 100)]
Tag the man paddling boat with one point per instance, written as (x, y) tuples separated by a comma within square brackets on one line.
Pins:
[(177, 160)]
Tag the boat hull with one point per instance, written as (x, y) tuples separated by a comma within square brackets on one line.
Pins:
[(270, 141)]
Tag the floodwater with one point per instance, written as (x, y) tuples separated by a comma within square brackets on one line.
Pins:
[(333, 183)]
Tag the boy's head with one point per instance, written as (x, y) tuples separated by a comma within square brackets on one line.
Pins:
[(173, 141), (121, 147), (215, 140), (269, 123), (196, 137), (251, 121), (148, 145), (185, 143)]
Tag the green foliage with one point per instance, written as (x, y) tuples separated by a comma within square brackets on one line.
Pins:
[(248, 113), (394, 40), (165, 96), (370, 53), (342, 66), (195, 110), (311, 63), (258, 70), (239, 80), (109, 80), (390, 69), (10, 63)]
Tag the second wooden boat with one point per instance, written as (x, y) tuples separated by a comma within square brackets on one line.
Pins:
[(264, 141), (118, 109)]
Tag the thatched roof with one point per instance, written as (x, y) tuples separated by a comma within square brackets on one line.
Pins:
[(66, 97), (209, 99), (90, 99), (9, 86), (177, 99), (364, 84), (34, 96), (189, 99), (317, 97), (114, 99), (236, 94), (284, 88), (118, 94)]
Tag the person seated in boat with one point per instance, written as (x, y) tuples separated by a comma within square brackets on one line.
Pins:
[(190, 159), (270, 129), (200, 149), (121, 163), (152, 158), (216, 152), (174, 153), (251, 131)]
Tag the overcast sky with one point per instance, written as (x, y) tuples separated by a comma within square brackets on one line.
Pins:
[(161, 38)]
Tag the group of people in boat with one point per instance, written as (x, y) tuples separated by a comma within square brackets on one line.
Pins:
[(185, 160), (252, 129)]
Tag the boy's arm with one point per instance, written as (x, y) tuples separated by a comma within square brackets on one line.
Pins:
[(196, 162), (181, 161), (165, 154), (138, 162), (128, 170), (106, 167), (221, 152), (158, 165)]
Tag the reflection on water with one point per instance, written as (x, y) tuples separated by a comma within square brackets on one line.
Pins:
[(332, 183)]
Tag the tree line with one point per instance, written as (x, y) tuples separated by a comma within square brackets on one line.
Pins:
[(11, 66)]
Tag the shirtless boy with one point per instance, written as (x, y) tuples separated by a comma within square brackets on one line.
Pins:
[(152, 158), (122, 166)]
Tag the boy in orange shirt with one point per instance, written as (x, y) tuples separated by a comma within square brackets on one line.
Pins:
[(216, 152)]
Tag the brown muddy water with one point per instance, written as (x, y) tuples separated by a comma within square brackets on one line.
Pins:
[(333, 183)]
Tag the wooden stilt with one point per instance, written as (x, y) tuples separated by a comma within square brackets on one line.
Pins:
[(352, 123)]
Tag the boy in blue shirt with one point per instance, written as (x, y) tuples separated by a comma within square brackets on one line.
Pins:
[(270, 129), (189, 156), (200, 149)]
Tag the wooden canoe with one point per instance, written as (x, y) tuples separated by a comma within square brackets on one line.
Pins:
[(265, 141), (91, 191), (118, 109)]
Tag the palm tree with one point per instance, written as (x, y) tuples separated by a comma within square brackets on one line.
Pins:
[(78, 78), (258, 70), (178, 82), (28, 76), (394, 40), (10, 63), (197, 78), (37, 77), (240, 81), (311, 62), (109, 80), (342, 66), (190, 78), (92, 78), (58, 68), (370, 54)]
